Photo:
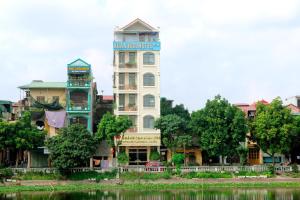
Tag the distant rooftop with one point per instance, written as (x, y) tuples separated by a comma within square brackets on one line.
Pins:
[(41, 84), (137, 25), (79, 63)]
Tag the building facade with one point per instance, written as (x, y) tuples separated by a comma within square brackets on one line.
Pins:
[(80, 94), (255, 155), (136, 83)]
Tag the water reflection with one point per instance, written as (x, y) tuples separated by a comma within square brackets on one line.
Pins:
[(218, 194)]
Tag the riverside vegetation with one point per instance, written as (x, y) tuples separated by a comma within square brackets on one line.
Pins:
[(6, 173)]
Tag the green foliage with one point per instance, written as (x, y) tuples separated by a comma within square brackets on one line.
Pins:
[(154, 155), (21, 135), (111, 127), (253, 173), (27, 137), (82, 175), (7, 133), (271, 169), (6, 173), (207, 175), (166, 108), (178, 159), (273, 127), (185, 141), (72, 147), (220, 126), (295, 168), (123, 158), (38, 176), (243, 153), (145, 176), (171, 127), (92, 175), (108, 175)]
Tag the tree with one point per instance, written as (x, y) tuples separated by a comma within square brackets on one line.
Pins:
[(220, 126), (185, 141), (166, 108), (7, 133), (273, 128), (27, 136), (71, 147), (171, 127), (112, 129)]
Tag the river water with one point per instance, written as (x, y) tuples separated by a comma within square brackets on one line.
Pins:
[(211, 194)]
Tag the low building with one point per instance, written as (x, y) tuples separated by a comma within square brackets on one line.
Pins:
[(255, 155), (45, 97), (6, 110)]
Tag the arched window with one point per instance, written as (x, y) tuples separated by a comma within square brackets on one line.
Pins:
[(149, 121), (149, 79), (149, 100), (148, 58)]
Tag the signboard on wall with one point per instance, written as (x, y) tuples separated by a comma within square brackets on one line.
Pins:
[(136, 46), (78, 69), (141, 140)]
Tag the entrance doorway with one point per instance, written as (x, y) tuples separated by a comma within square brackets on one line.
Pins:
[(137, 156), (253, 156)]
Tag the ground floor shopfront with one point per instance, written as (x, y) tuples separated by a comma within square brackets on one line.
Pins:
[(138, 147)]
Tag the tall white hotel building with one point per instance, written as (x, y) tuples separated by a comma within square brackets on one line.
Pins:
[(136, 85)]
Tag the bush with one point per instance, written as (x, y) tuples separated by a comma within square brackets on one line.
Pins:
[(271, 169), (108, 175), (154, 155), (6, 173), (253, 173), (295, 168), (38, 176), (123, 158), (178, 159), (92, 175), (82, 175), (207, 175), (145, 176)]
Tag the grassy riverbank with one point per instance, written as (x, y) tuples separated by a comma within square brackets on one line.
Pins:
[(147, 186)]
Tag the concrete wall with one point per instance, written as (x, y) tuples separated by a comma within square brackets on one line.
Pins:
[(49, 93)]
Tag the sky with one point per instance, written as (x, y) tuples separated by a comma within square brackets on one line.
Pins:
[(243, 50)]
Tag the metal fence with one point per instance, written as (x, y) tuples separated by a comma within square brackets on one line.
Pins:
[(185, 169)]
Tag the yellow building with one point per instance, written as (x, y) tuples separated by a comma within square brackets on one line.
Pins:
[(44, 92)]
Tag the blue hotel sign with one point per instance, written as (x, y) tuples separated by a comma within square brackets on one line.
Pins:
[(136, 46)]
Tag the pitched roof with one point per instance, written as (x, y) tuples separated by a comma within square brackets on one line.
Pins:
[(5, 102), (42, 84), (294, 109), (132, 25), (79, 63), (108, 97)]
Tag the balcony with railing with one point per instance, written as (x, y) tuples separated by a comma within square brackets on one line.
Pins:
[(78, 107), (132, 129), (127, 87), (128, 107), (78, 83)]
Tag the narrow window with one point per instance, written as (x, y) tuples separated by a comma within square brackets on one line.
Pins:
[(149, 79), (121, 57), (149, 100), (148, 58), (149, 121)]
